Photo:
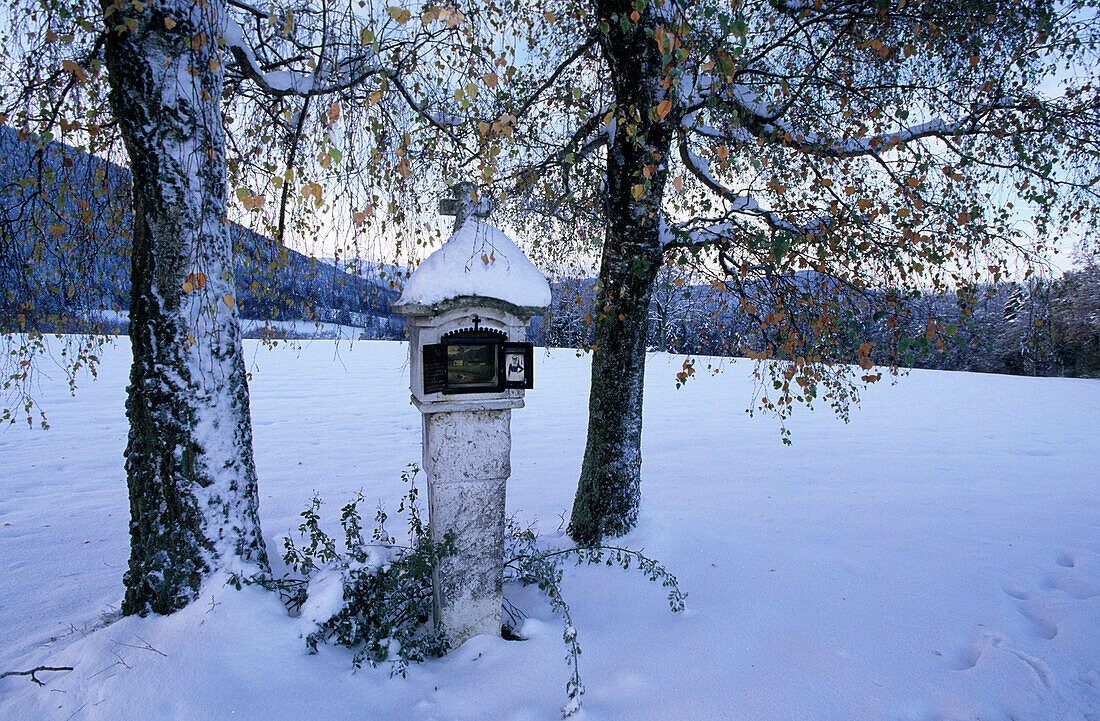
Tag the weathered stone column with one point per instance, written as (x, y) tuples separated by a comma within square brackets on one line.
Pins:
[(467, 461)]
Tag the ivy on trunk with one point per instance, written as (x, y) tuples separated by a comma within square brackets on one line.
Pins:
[(189, 466)]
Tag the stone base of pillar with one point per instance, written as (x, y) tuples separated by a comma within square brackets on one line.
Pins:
[(466, 460)]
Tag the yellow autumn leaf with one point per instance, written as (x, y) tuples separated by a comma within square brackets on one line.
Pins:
[(75, 69), (401, 15), (664, 108), (637, 191), (169, 23), (228, 300), (360, 217), (58, 229), (678, 183), (490, 79), (187, 286)]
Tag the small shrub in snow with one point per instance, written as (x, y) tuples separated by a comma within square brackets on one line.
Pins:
[(375, 595), (372, 595)]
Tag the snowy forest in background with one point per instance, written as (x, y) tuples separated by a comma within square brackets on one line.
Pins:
[(1040, 327)]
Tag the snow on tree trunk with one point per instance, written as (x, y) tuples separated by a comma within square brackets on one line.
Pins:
[(637, 165), (189, 466)]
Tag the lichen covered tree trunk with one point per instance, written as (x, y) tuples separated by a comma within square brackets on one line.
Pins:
[(189, 466), (637, 165)]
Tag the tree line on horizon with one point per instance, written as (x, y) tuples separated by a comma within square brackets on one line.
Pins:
[(1039, 327)]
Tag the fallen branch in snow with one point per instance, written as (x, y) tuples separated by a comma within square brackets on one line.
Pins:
[(145, 646), (33, 671)]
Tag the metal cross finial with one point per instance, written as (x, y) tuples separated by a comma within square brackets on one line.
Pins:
[(461, 204)]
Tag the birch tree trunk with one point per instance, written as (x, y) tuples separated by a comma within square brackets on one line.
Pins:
[(189, 466), (608, 492)]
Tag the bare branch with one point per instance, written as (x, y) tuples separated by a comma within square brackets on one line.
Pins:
[(578, 53), (262, 14), (35, 670)]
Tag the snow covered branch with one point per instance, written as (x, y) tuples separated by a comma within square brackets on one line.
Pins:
[(770, 127), (735, 202), (252, 9), (761, 118), (282, 83)]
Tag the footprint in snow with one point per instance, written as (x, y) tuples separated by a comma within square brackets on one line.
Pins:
[(1076, 587), (1038, 613), (966, 657), (1015, 590), (1065, 560)]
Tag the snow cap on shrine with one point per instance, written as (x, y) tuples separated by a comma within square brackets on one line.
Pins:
[(479, 264)]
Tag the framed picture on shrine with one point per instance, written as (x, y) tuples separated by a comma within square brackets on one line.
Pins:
[(517, 365)]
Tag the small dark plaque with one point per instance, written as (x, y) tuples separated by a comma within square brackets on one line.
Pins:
[(435, 368)]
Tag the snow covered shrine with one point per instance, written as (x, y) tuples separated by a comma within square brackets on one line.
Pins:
[(468, 305)]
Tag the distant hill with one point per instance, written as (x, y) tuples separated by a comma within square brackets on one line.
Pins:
[(64, 251)]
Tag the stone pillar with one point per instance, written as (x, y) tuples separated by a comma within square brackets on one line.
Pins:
[(467, 463), (468, 305)]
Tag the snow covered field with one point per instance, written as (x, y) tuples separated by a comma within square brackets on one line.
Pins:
[(936, 559)]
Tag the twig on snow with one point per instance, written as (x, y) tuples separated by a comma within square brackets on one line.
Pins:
[(33, 671)]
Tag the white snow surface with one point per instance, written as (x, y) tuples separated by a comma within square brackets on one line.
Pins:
[(937, 558), (478, 260)]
